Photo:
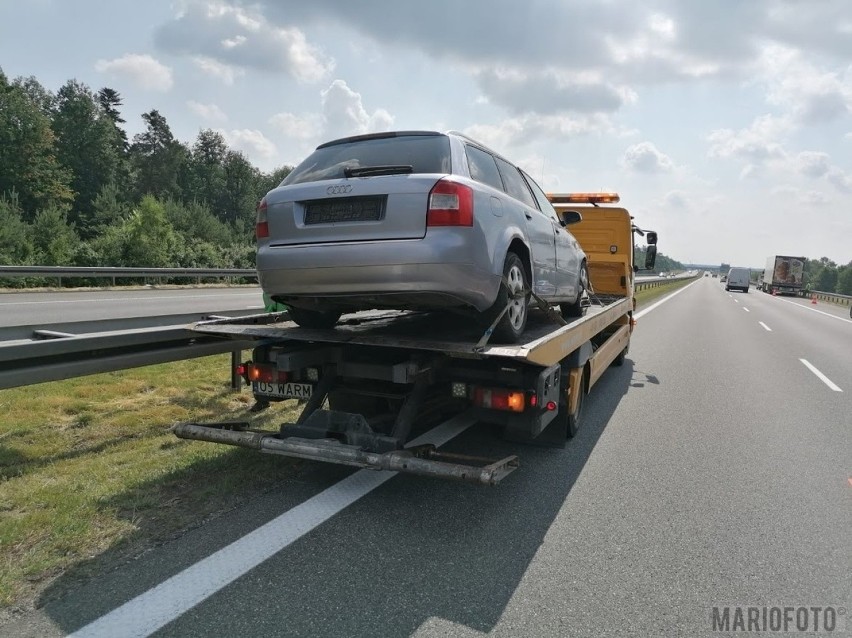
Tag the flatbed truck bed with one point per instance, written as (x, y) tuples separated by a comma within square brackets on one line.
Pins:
[(365, 384)]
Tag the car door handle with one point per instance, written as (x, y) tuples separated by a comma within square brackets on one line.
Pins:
[(528, 215)]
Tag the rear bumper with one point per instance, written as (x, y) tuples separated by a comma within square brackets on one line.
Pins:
[(403, 274)]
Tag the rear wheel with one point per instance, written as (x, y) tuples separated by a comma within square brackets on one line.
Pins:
[(577, 309), (314, 318), (514, 293), (572, 419)]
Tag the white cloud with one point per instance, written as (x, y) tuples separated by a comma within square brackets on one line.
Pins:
[(841, 180), (810, 94), (344, 113), (241, 37), (143, 70), (677, 201), (812, 164), (531, 128), (756, 144), (223, 72), (298, 127), (207, 112), (645, 158), (252, 142)]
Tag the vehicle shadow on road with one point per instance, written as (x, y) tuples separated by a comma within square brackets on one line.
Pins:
[(415, 549)]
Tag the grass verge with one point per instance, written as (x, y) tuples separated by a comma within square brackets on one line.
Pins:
[(88, 467), (645, 297)]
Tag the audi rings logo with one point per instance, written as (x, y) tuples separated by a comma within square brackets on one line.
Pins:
[(338, 190)]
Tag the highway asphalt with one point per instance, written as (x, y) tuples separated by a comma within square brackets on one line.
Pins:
[(713, 469)]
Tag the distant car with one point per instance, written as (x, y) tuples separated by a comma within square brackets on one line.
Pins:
[(415, 220)]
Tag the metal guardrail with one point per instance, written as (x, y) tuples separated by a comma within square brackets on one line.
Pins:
[(35, 354), (842, 300), (113, 273)]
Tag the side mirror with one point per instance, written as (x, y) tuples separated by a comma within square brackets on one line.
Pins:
[(571, 217), (650, 257), (651, 238)]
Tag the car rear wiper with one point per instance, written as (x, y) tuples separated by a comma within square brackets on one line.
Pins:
[(391, 169)]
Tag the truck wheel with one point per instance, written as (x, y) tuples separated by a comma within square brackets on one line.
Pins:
[(514, 292), (619, 360), (574, 418), (576, 309), (318, 319)]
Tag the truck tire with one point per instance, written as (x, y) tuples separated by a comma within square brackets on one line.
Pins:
[(512, 325), (619, 360), (574, 419), (577, 309), (317, 319)]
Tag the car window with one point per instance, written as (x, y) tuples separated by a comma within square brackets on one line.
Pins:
[(483, 168), (544, 204), (515, 184), (424, 153)]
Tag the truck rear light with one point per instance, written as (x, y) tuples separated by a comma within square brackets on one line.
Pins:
[(261, 227), (450, 204), (499, 399), (265, 373)]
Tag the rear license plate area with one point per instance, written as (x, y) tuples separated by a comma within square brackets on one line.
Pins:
[(344, 209)]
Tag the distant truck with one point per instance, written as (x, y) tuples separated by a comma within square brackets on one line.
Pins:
[(783, 274)]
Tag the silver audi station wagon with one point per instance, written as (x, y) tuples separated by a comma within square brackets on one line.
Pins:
[(415, 220)]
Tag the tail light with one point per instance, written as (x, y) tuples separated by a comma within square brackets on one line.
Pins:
[(264, 373), (261, 227), (499, 399), (450, 204)]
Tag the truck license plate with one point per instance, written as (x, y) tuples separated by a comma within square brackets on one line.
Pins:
[(283, 390)]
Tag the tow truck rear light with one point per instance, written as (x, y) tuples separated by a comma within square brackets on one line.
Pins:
[(499, 399), (261, 228), (450, 204), (583, 198), (264, 373)]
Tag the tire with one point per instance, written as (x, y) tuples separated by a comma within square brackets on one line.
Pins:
[(577, 309), (317, 319), (619, 360), (514, 321), (574, 419)]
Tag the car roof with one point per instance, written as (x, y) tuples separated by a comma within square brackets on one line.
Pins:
[(377, 136)]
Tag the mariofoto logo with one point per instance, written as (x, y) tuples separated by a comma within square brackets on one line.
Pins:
[(779, 619)]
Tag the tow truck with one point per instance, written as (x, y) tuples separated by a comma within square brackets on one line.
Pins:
[(366, 384)]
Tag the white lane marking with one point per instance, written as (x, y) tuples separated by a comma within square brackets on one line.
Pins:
[(137, 299), (820, 376), (157, 607), (767, 328), (644, 312), (827, 314), (746, 309), (736, 301)]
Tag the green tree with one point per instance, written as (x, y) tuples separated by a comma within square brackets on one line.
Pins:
[(110, 101), (244, 186), (109, 207), (149, 239), (205, 171), (826, 280), (53, 237), (16, 247), (844, 280), (28, 163), (88, 144), (157, 159)]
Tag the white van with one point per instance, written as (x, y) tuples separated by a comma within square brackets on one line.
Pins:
[(738, 279)]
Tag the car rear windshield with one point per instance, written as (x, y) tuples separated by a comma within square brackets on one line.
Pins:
[(424, 153)]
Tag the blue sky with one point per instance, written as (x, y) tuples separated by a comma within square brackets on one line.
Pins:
[(724, 125)]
